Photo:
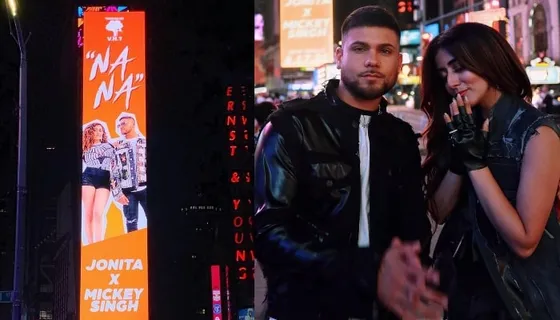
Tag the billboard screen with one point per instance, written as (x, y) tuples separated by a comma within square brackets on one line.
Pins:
[(83, 9), (410, 37), (259, 27), (114, 275), (306, 33), (432, 29)]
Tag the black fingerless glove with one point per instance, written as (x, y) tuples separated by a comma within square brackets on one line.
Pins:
[(469, 144)]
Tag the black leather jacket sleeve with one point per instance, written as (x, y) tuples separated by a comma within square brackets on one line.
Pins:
[(276, 245), (414, 223)]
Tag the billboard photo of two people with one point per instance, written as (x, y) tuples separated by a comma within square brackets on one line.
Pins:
[(114, 184), (114, 180)]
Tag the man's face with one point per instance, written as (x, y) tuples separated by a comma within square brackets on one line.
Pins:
[(126, 125), (369, 61)]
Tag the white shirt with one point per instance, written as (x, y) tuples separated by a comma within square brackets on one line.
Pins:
[(364, 152)]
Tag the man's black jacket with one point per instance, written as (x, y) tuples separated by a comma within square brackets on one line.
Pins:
[(307, 205)]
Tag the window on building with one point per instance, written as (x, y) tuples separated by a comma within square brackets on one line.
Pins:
[(46, 288), (45, 315), (540, 32), (518, 35)]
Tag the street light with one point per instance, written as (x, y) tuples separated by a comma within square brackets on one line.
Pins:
[(13, 7), (19, 253)]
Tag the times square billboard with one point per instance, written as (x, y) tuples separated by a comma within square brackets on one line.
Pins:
[(113, 270)]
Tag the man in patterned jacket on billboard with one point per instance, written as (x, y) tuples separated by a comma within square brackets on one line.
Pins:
[(131, 166)]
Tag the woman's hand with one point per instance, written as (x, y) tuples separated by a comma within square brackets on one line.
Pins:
[(469, 144)]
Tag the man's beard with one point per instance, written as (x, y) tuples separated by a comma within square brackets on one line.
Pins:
[(370, 93)]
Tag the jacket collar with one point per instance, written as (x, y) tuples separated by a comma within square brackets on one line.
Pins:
[(502, 113)]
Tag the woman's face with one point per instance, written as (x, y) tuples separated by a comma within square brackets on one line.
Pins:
[(459, 80), (97, 133)]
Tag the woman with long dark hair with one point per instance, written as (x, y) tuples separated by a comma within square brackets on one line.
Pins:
[(492, 172)]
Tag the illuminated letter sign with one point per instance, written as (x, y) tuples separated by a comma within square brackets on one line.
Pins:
[(239, 178)]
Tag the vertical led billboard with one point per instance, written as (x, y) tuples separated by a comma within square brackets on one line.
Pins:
[(114, 275)]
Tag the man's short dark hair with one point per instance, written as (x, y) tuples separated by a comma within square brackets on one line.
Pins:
[(370, 16)]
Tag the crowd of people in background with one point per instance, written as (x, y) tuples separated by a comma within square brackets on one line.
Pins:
[(546, 100), (266, 104), (277, 98), (262, 111)]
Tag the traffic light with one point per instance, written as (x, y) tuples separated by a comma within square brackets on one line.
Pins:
[(405, 6), (405, 12)]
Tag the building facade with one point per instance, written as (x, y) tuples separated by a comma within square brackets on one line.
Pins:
[(7, 234), (39, 273), (65, 276), (534, 29)]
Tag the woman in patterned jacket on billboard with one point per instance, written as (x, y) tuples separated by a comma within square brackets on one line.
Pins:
[(98, 178)]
